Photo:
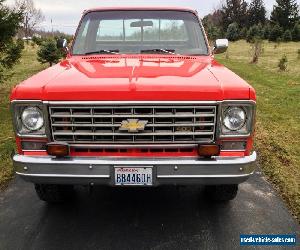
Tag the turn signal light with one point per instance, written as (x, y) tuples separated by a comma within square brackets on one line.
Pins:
[(208, 150), (58, 149)]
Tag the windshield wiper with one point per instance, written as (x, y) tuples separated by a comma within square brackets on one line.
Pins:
[(103, 51), (166, 51)]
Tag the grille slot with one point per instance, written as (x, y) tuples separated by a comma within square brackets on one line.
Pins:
[(101, 124)]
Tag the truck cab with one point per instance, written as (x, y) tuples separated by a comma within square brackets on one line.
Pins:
[(139, 101)]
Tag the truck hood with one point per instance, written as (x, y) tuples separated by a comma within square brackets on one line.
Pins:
[(135, 77)]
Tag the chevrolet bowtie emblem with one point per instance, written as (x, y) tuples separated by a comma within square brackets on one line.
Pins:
[(133, 125)]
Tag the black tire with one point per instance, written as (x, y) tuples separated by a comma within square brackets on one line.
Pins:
[(221, 192), (54, 193)]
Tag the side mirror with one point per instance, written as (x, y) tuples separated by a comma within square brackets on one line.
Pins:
[(221, 45), (62, 43)]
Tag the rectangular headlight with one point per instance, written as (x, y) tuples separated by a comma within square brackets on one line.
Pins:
[(29, 118), (237, 119)]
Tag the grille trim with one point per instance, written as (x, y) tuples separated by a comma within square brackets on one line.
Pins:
[(78, 123)]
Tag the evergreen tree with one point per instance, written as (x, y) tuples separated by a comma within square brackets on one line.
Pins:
[(276, 33), (235, 11), (49, 53), (285, 13), (267, 31), (287, 36), (10, 49), (243, 33), (254, 33), (256, 13), (213, 32), (296, 32), (233, 32)]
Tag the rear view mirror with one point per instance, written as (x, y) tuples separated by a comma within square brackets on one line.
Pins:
[(220, 46), (140, 24)]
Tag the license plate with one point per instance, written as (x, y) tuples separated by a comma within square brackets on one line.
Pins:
[(139, 176)]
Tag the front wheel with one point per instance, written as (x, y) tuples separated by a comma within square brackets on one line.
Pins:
[(221, 192), (54, 193)]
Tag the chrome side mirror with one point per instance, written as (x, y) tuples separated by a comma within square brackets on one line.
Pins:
[(221, 45), (62, 43)]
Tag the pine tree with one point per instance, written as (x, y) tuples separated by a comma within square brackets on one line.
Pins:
[(254, 33), (10, 49), (233, 32), (287, 36), (213, 32), (49, 53), (296, 32), (234, 11), (276, 33), (285, 13), (256, 13)]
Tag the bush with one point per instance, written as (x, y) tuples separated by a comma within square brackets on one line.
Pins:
[(276, 33), (233, 33), (243, 33), (287, 36), (296, 32), (255, 32), (267, 31), (38, 41), (298, 53), (213, 32), (15, 51), (49, 53), (9, 57), (282, 65)]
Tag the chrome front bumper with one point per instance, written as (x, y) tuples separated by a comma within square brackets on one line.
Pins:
[(181, 171)]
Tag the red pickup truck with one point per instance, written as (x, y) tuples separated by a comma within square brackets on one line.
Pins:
[(138, 101)]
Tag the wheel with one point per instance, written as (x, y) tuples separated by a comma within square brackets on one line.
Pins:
[(54, 193), (221, 192)]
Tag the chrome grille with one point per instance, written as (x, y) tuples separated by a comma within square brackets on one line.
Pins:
[(101, 124)]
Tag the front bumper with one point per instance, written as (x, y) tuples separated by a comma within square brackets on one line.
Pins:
[(181, 171)]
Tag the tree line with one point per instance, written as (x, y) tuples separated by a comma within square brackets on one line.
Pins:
[(238, 19)]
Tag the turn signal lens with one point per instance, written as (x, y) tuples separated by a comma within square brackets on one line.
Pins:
[(208, 150), (33, 145), (234, 145), (59, 150)]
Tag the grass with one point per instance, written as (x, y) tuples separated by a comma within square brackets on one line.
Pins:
[(278, 114), (28, 66)]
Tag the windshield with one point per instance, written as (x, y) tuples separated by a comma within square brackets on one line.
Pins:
[(138, 32)]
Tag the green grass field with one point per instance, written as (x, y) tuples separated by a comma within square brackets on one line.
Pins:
[(278, 112), (278, 117)]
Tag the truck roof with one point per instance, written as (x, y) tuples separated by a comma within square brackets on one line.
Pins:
[(142, 8)]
